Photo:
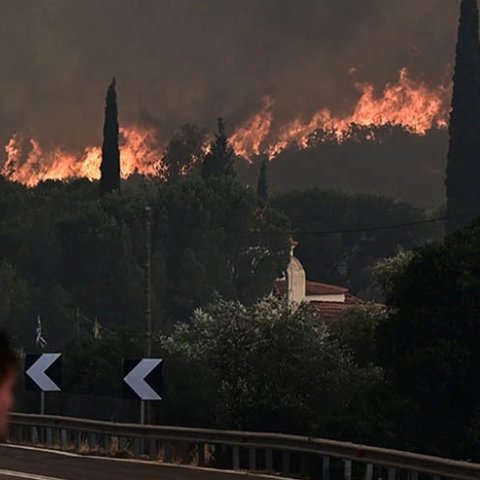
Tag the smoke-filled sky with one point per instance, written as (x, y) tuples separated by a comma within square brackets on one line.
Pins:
[(180, 61)]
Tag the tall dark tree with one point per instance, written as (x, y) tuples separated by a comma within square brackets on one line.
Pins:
[(430, 343), (463, 170), (110, 167), (262, 186), (219, 161)]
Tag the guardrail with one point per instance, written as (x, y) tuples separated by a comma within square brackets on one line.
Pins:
[(285, 455)]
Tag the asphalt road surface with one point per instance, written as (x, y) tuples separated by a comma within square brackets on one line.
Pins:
[(32, 464)]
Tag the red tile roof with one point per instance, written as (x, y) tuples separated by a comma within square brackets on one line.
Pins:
[(313, 288), (330, 312), (353, 300), (316, 288), (327, 311)]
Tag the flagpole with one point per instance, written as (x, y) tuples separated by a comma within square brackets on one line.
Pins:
[(41, 344), (39, 340)]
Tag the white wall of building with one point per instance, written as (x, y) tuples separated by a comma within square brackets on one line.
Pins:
[(334, 298), (296, 281)]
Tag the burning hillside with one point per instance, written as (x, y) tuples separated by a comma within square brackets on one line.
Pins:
[(408, 103), (29, 163)]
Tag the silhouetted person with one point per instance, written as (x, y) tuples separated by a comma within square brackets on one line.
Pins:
[(8, 373)]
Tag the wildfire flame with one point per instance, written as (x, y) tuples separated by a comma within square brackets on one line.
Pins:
[(28, 163), (248, 138), (407, 103)]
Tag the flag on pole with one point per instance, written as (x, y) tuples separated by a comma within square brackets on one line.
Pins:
[(97, 329), (39, 340)]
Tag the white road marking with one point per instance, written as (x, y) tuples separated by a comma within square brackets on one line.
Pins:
[(134, 460), (43, 450), (28, 476)]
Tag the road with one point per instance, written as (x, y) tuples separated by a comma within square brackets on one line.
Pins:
[(32, 464)]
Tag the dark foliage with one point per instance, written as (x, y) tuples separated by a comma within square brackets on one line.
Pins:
[(463, 170), (387, 161), (208, 238), (110, 167), (184, 151), (219, 160), (262, 186), (431, 344), (346, 258)]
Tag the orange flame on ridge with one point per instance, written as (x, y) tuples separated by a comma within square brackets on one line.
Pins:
[(28, 163), (248, 138), (407, 103)]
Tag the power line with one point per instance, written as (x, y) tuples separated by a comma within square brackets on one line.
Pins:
[(372, 229), (345, 231), (357, 230)]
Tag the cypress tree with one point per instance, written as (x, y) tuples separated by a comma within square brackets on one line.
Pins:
[(463, 169), (110, 167), (262, 187), (219, 161)]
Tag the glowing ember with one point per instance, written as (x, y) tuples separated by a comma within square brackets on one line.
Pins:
[(407, 103), (28, 163)]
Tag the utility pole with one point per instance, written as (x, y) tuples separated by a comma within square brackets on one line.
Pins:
[(148, 282), (145, 408), (77, 325)]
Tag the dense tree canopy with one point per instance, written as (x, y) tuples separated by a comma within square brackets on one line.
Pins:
[(265, 367), (431, 341), (347, 258), (185, 150), (219, 159), (388, 161), (212, 237), (209, 237), (463, 170)]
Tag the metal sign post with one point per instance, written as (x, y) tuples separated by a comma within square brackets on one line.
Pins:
[(42, 403), (142, 412)]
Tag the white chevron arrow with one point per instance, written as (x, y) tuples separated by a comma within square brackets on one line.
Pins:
[(136, 379), (37, 372)]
